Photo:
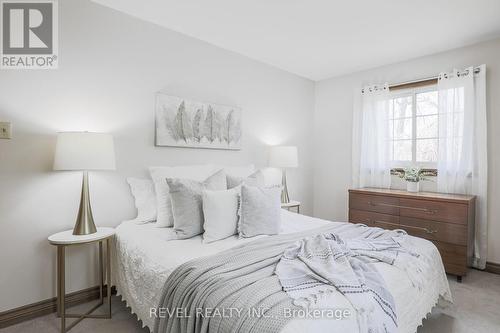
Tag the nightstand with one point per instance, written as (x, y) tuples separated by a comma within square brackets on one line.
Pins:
[(66, 238), (291, 204)]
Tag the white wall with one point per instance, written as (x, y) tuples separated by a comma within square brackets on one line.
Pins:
[(110, 67), (333, 127)]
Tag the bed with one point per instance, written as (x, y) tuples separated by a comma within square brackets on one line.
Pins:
[(144, 256)]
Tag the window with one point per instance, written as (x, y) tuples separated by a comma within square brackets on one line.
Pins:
[(413, 127)]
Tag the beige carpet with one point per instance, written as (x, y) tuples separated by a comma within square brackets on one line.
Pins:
[(476, 309)]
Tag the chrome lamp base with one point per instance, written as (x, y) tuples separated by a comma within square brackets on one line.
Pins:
[(284, 189), (85, 221)]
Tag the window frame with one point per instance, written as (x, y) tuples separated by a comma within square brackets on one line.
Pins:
[(413, 92)]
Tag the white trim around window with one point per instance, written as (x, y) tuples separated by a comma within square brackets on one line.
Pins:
[(410, 137)]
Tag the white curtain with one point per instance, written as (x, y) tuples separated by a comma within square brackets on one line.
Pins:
[(371, 145), (462, 153)]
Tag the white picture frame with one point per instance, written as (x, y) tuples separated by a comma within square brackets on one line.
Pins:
[(182, 122)]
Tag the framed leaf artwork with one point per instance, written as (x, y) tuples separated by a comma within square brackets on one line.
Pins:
[(182, 122)]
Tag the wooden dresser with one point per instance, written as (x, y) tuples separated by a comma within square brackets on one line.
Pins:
[(447, 220)]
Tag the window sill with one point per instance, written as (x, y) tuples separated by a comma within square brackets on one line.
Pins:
[(425, 171)]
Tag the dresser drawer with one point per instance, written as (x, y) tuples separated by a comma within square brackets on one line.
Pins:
[(387, 224), (434, 210), (391, 225), (374, 203), (454, 257), (369, 218), (432, 230), (447, 220)]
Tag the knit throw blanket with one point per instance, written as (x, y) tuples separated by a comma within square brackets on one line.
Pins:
[(237, 290), (317, 266)]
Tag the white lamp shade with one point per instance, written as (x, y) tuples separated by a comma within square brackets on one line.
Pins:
[(283, 157), (84, 151)]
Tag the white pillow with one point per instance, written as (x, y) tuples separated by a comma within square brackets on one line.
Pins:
[(272, 177), (255, 179), (238, 171), (187, 202), (160, 174), (220, 209), (260, 211), (145, 199), (267, 177)]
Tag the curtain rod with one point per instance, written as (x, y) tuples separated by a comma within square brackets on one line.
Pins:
[(421, 82)]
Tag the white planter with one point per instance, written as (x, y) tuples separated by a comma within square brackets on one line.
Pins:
[(413, 186)]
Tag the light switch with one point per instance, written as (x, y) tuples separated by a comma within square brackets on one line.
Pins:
[(5, 130)]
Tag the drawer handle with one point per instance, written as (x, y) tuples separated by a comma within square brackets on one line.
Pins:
[(426, 230), (425, 210)]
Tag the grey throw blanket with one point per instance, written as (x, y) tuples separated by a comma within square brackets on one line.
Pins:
[(318, 265), (236, 290)]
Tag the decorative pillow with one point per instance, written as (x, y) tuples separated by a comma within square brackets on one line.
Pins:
[(238, 171), (271, 177), (255, 179), (145, 199), (187, 207), (220, 210), (260, 211), (159, 176)]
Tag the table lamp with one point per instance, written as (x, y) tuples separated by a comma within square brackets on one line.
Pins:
[(283, 157), (84, 151)]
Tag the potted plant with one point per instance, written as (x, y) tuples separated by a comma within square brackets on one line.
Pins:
[(413, 176)]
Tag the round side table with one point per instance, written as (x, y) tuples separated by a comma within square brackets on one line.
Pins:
[(66, 238)]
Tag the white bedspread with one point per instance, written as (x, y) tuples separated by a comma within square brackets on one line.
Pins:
[(144, 257)]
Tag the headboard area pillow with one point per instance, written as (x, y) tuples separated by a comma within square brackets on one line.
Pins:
[(254, 179), (145, 199), (159, 176), (260, 211), (237, 171), (220, 212), (187, 202), (271, 176), (266, 177)]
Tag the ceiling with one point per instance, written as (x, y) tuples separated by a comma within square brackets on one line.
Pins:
[(318, 39)]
